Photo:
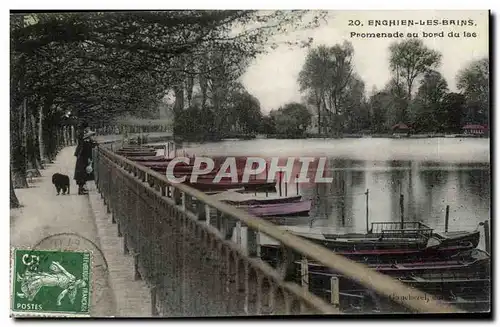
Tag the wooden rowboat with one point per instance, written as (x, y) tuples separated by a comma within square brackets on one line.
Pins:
[(207, 184), (162, 165), (237, 198), (389, 235), (466, 260), (271, 252), (279, 209), (150, 159), (467, 275), (136, 153)]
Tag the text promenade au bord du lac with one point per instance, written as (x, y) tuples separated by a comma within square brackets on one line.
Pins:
[(452, 29)]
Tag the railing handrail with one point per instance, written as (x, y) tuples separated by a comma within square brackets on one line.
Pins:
[(405, 223), (382, 284), (402, 231)]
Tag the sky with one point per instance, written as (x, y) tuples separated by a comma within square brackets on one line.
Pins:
[(272, 77)]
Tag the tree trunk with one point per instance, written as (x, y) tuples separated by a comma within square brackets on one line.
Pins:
[(50, 137), (219, 108), (65, 140), (18, 159), (189, 89), (24, 124), (203, 88), (73, 139), (41, 144), (17, 152), (14, 202), (407, 104), (31, 149), (34, 126), (179, 100), (318, 106)]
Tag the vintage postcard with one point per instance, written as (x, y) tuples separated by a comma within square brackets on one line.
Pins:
[(210, 163)]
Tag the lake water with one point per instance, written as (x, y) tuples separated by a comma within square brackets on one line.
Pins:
[(429, 173)]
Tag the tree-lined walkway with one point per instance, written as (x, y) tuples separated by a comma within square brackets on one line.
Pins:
[(48, 221)]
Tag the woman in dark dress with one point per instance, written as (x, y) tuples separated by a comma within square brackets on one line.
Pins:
[(83, 155)]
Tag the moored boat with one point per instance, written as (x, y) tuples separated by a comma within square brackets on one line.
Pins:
[(237, 198), (461, 279), (207, 184), (470, 260), (458, 237), (162, 165), (390, 235), (279, 209), (271, 252), (150, 159), (136, 153)]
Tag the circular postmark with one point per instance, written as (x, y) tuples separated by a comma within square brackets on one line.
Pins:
[(101, 298)]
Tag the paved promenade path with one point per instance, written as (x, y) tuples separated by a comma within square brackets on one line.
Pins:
[(79, 222)]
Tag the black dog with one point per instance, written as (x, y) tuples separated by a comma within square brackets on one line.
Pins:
[(61, 182)]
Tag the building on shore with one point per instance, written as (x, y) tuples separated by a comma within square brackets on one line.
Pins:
[(400, 129), (475, 129)]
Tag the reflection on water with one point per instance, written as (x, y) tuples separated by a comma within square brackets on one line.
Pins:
[(429, 173)]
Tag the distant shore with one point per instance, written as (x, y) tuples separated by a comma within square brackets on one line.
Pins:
[(166, 137), (392, 136)]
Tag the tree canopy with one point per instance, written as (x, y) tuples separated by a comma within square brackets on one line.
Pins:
[(331, 84), (474, 83), (102, 65)]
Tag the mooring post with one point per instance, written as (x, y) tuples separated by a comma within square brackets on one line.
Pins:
[(305, 279), (125, 245), (238, 233), (137, 274), (305, 274), (286, 184), (367, 222), (297, 183), (280, 181), (402, 209), (154, 310), (207, 214), (487, 244), (267, 173), (334, 289), (342, 203), (446, 219)]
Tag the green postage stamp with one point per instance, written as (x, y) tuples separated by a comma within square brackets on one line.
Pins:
[(52, 283)]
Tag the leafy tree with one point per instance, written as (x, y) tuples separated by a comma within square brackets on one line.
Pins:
[(246, 111), (427, 104), (291, 120), (410, 59), (379, 111), (314, 78), (268, 125), (473, 82), (101, 66), (453, 108), (326, 76), (356, 115)]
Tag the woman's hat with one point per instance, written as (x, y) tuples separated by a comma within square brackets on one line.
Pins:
[(88, 134)]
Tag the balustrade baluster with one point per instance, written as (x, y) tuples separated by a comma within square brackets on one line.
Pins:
[(182, 244)]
